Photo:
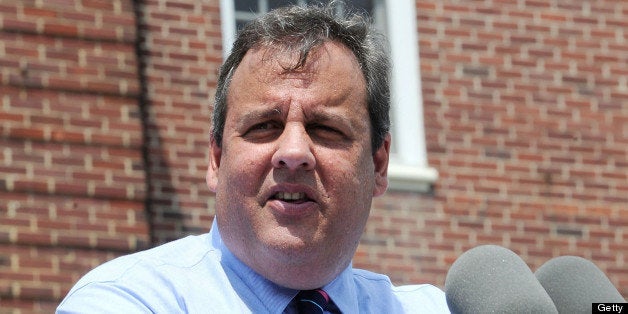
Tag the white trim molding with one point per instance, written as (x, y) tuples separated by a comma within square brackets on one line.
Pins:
[(408, 169)]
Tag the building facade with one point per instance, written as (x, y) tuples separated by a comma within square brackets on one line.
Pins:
[(105, 109)]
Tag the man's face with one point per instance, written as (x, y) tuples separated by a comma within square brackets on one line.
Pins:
[(295, 174)]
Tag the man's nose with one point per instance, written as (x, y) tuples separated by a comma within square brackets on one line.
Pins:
[(294, 149)]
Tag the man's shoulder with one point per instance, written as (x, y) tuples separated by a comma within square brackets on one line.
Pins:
[(153, 273), (178, 253), (425, 296), (181, 253), (417, 298)]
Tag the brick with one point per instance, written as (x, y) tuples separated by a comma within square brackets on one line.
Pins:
[(95, 4), (55, 29), (74, 241), (36, 239)]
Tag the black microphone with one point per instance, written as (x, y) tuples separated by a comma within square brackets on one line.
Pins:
[(575, 283), (493, 279)]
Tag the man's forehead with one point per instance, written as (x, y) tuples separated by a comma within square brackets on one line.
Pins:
[(269, 62)]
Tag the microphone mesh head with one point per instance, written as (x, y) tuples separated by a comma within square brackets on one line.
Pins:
[(574, 283), (493, 279)]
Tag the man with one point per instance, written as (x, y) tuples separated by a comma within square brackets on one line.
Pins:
[(299, 147)]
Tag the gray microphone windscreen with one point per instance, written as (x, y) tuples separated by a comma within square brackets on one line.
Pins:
[(575, 283), (493, 279)]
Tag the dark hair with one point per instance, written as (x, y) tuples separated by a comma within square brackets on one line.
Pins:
[(297, 28)]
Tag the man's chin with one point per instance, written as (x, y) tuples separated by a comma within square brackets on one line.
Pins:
[(289, 242)]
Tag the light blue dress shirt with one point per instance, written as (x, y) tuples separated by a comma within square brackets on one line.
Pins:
[(198, 274)]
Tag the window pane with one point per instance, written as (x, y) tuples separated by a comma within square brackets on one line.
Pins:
[(240, 24), (361, 5), (273, 4), (246, 5), (261, 6)]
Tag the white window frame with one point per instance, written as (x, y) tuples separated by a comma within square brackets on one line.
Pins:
[(408, 169)]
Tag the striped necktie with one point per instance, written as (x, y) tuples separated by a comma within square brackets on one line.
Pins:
[(312, 301)]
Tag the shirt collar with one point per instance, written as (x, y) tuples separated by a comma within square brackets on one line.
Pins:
[(253, 289), (343, 293)]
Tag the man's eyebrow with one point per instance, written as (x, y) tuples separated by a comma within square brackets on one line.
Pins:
[(259, 114), (322, 116), (331, 117)]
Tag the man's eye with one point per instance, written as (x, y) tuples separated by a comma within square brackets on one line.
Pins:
[(324, 128), (262, 130), (264, 126), (326, 133)]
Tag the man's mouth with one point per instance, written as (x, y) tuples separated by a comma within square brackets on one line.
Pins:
[(297, 197)]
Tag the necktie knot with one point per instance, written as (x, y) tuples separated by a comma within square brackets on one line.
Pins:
[(312, 301)]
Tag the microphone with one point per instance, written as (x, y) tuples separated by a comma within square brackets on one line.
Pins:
[(575, 283), (493, 279)]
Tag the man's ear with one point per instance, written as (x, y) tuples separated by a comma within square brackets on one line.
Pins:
[(380, 160), (215, 152)]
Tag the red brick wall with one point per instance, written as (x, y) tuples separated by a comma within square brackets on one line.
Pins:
[(72, 186), (183, 52), (104, 153)]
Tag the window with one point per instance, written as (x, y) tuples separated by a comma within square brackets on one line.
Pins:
[(408, 169)]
